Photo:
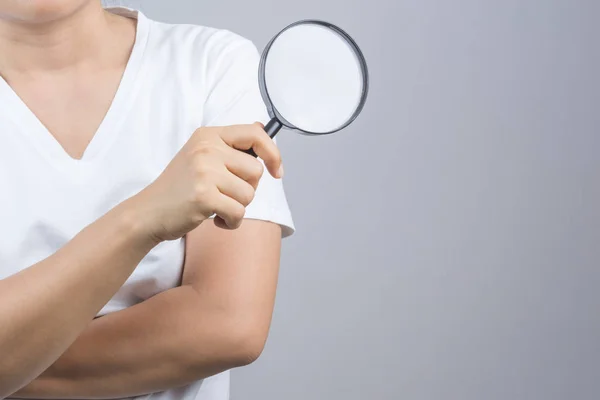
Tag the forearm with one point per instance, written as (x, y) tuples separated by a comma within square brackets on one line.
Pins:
[(168, 341), (45, 307)]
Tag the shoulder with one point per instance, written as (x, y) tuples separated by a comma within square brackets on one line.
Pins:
[(204, 45)]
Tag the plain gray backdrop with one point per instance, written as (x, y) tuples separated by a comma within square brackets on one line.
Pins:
[(448, 243)]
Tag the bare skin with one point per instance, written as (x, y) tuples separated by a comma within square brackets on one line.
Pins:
[(74, 53)]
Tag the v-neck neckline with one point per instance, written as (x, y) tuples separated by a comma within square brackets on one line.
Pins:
[(105, 134)]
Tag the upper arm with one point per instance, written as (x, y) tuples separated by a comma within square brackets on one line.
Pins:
[(235, 270)]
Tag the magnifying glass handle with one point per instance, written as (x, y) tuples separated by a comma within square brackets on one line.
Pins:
[(272, 128)]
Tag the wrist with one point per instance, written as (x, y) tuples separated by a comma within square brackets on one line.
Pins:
[(135, 220)]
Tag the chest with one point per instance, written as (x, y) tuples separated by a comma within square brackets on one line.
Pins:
[(70, 107), (47, 197), (41, 210)]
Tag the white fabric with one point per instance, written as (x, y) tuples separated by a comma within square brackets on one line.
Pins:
[(179, 78)]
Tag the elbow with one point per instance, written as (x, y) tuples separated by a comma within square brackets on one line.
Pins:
[(246, 342), (232, 342)]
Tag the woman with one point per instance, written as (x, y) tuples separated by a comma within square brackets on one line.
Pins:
[(119, 140)]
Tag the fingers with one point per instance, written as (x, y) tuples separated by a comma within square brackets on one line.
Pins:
[(229, 196), (220, 222), (244, 137), (225, 178), (237, 189), (244, 166), (229, 210), (218, 191)]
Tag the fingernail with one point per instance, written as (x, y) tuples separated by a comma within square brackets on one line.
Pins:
[(280, 171)]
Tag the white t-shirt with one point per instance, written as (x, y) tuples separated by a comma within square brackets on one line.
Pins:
[(178, 78)]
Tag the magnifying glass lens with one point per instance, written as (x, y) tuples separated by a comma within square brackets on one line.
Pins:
[(314, 78)]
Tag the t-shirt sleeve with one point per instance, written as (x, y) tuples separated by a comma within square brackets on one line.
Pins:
[(234, 98)]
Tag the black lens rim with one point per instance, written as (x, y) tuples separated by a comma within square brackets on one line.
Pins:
[(273, 113)]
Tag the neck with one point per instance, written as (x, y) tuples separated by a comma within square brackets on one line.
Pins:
[(71, 41)]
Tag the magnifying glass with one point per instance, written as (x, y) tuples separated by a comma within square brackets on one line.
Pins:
[(313, 79)]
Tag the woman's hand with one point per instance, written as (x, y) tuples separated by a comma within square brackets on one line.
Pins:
[(209, 175)]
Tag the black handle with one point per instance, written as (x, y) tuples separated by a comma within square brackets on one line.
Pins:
[(272, 128)]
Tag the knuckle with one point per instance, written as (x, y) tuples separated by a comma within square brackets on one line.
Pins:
[(203, 167), (258, 130), (203, 170), (201, 192), (248, 196), (203, 173), (238, 214), (257, 169), (206, 147)]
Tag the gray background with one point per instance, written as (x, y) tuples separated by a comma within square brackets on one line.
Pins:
[(448, 242)]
